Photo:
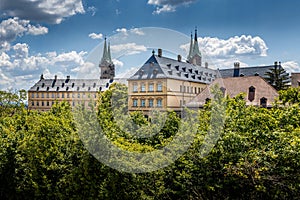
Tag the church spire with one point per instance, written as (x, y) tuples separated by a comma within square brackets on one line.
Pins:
[(194, 56), (191, 47), (106, 54)]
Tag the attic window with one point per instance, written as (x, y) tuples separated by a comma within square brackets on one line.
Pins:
[(186, 75), (196, 71), (141, 72), (83, 84), (73, 84), (242, 75), (191, 70), (177, 67), (184, 69), (263, 102), (94, 85), (100, 88), (63, 85), (193, 76), (251, 93), (199, 77), (57, 89), (77, 88), (37, 89), (178, 73), (169, 65), (151, 64), (206, 74), (256, 74), (89, 88), (170, 72), (107, 84), (43, 84), (155, 71), (47, 88), (67, 88)]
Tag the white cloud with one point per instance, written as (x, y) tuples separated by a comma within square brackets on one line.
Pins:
[(12, 28), (96, 36), (128, 48), (21, 70), (126, 32), (118, 63), (53, 11), (168, 5), (291, 66), (233, 47), (92, 9)]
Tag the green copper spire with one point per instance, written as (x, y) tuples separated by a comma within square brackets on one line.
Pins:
[(105, 57), (191, 47), (196, 50)]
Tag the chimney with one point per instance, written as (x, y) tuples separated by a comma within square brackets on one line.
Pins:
[(179, 58), (236, 70), (159, 52), (68, 77), (275, 63), (206, 65), (41, 77), (55, 77)]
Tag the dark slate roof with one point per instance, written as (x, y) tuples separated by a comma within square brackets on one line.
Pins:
[(158, 67), (248, 71), (74, 85)]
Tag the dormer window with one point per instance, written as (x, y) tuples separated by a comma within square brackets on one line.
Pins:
[(263, 102), (184, 69), (251, 93), (177, 67)]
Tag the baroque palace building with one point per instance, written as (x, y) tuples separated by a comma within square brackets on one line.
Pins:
[(168, 84), (46, 92)]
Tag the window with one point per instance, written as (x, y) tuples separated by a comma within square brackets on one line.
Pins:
[(151, 87), (135, 102), (48, 104), (42, 95), (78, 95), (68, 95), (180, 88), (73, 103), (188, 89), (150, 103), (73, 95), (47, 95), (53, 96), (32, 103), (32, 95), (263, 102), (159, 87), (143, 87), (57, 95), (159, 103), (37, 103), (42, 103), (135, 87), (251, 93), (63, 95), (143, 103), (37, 95), (195, 90)]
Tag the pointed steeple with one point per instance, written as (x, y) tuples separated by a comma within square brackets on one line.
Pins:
[(191, 47), (105, 56), (194, 56), (109, 55), (196, 50)]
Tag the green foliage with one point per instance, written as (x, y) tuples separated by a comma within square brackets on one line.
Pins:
[(256, 156), (290, 96)]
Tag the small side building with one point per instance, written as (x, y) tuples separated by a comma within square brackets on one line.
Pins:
[(258, 91)]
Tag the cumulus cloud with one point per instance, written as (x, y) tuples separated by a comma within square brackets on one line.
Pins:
[(291, 66), (128, 48), (118, 63), (236, 46), (53, 11), (21, 70), (12, 28), (168, 5), (96, 36), (125, 32)]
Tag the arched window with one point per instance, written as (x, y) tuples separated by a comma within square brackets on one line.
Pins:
[(251, 93), (263, 102)]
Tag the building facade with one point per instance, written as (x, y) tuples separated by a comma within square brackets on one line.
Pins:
[(46, 92), (168, 84)]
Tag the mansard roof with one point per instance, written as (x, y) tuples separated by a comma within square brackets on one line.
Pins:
[(248, 71), (71, 85), (158, 67)]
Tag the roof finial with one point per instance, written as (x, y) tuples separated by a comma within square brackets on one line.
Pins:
[(153, 52), (196, 33)]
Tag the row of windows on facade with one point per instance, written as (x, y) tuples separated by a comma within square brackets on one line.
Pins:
[(62, 95), (190, 89), (48, 104), (149, 103), (150, 87)]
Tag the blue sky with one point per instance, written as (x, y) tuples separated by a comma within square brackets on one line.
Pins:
[(59, 36)]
